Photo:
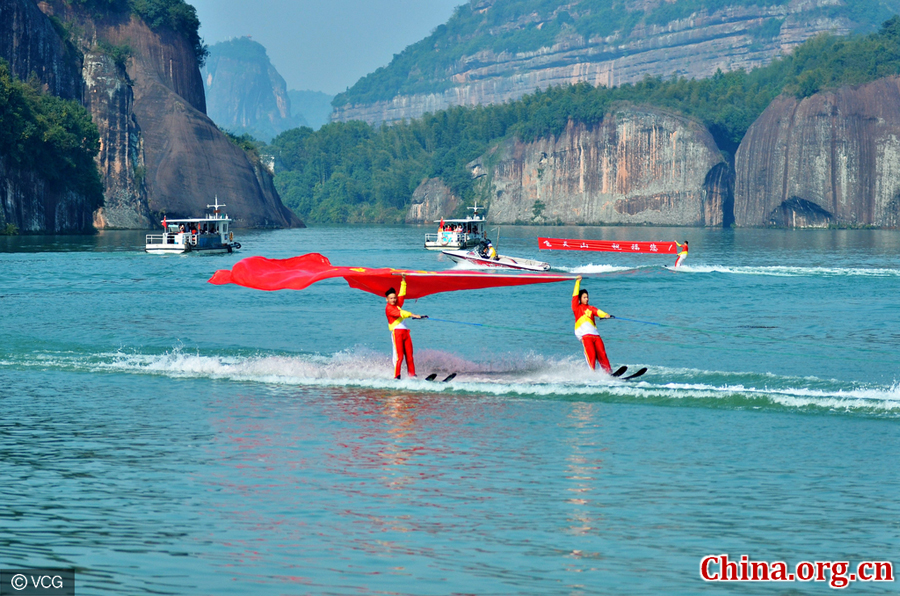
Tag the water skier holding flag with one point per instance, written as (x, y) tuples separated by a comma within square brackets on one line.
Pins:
[(586, 330), (400, 338), (682, 253)]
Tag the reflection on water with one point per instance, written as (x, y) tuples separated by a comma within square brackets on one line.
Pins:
[(167, 436)]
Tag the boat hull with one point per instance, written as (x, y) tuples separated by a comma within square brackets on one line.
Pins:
[(502, 262), (160, 250)]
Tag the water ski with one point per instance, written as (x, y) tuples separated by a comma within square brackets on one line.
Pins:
[(620, 371), (433, 376), (636, 375)]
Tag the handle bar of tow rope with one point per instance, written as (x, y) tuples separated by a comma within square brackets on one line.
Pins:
[(448, 321), (633, 320), (486, 325)]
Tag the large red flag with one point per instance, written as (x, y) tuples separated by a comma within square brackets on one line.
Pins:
[(663, 248), (300, 272)]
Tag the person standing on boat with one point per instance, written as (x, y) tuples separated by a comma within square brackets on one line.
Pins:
[(682, 254), (400, 338), (586, 329)]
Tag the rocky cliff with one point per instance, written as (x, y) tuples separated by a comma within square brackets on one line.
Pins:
[(32, 46), (830, 159), (639, 166), (31, 204), (734, 35), (31, 43), (431, 201), (160, 153), (245, 94)]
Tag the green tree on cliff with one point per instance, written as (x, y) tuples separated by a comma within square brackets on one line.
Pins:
[(177, 15), (51, 136)]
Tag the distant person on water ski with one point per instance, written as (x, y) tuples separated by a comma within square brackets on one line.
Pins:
[(682, 253), (586, 329), (400, 339)]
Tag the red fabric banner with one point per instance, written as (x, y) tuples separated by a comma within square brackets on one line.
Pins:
[(662, 248), (300, 272)]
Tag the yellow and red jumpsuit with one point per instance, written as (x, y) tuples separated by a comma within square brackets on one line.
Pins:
[(586, 331), (682, 253), (400, 338)]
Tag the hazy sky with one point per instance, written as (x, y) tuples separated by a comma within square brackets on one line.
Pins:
[(324, 45)]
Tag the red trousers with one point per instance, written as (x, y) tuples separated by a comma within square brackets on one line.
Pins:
[(595, 351), (403, 347)]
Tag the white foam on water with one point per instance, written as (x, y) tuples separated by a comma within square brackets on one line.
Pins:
[(784, 271), (507, 375), (591, 268)]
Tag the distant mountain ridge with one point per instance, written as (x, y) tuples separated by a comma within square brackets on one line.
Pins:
[(244, 92), (311, 108), (491, 51)]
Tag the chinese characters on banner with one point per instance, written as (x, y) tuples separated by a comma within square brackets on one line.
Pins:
[(665, 248)]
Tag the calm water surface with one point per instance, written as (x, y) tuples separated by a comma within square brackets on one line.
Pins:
[(166, 436)]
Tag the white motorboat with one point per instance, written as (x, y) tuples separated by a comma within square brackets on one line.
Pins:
[(456, 234), (205, 234), (474, 257)]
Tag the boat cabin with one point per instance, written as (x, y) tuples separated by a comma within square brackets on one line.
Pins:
[(457, 234)]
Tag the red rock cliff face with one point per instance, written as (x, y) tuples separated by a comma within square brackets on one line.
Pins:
[(833, 158), (110, 100), (160, 153), (640, 166)]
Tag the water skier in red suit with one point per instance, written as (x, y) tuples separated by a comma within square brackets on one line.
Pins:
[(400, 339), (586, 329)]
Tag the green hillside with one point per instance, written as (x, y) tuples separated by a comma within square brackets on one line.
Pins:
[(528, 25), (353, 172)]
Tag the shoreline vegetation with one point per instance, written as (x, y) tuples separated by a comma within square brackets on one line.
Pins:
[(352, 172)]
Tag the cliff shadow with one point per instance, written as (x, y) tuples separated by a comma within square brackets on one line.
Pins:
[(800, 213), (718, 196)]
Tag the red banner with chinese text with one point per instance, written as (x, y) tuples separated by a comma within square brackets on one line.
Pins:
[(662, 248)]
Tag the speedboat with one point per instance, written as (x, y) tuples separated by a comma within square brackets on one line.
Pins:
[(204, 234), (473, 257)]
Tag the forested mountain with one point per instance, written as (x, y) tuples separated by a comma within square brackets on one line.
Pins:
[(492, 51), (356, 172)]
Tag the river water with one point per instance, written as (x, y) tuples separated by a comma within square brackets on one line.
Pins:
[(162, 435)]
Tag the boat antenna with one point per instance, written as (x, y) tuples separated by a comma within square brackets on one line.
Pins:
[(215, 207), (475, 210)]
